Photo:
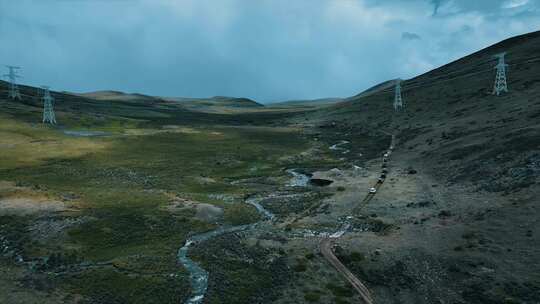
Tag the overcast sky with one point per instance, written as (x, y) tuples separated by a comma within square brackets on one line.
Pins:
[(267, 50)]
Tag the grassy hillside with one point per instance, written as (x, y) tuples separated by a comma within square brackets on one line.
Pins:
[(465, 183), (94, 210), (306, 104), (452, 119), (97, 207)]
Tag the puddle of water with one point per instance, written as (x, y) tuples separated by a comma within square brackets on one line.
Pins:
[(85, 133)]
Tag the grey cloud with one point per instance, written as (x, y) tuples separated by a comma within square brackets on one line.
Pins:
[(410, 36), (267, 50), (436, 5)]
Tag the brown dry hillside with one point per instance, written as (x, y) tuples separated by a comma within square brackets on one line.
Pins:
[(463, 190), (452, 119)]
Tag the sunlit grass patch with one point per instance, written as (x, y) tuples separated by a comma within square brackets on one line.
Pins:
[(23, 144), (124, 183)]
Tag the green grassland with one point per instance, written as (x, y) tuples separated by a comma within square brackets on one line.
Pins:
[(123, 182)]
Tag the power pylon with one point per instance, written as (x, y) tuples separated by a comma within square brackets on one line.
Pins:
[(48, 110), (398, 101), (500, 78), (13, 88)]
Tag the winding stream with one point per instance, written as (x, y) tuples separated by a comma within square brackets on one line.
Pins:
[(255, 202), (298, 179), (198, 276), (338, 147)]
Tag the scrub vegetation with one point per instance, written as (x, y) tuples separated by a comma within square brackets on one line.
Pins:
[(117, 188)]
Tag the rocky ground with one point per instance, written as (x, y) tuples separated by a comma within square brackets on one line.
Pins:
[(444, 243), (99, 219), (461, 195)]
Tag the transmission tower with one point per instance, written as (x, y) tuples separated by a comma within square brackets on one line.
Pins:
[(48, 110), (12, 76), (398, 101), (500, 79)]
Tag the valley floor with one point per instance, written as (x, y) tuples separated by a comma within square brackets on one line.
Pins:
[(446, 243), (98, 214), (103, 225), (127, 202)]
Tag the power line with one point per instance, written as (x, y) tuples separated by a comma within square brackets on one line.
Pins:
[(500, 80), (398, 100), (48, 110), (12, 76), (432, 82)]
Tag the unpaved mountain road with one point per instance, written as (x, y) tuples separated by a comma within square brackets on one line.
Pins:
[(326, 250), (328, 242)]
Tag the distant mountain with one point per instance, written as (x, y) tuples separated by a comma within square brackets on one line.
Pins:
[(453, 123), (218, 101), (306, 103), (116, 95), (216, 104)]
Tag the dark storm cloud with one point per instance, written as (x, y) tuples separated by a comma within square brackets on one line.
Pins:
[(436, 6), (410, 36), (267, 50)]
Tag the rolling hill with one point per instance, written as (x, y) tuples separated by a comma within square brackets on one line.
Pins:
[(466, 180), (451, 216)]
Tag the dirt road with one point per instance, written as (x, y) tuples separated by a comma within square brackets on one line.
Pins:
[(326, 250), (327, 243)]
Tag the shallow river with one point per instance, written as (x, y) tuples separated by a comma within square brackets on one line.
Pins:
[(298, 179), (199, 276)]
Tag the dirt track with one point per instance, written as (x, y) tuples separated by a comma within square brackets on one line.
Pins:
[(327, 243), (326, 250)]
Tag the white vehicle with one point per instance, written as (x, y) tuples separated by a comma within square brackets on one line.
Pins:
[(372, 190)]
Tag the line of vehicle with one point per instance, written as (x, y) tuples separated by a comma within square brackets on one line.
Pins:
[(328, 242)]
